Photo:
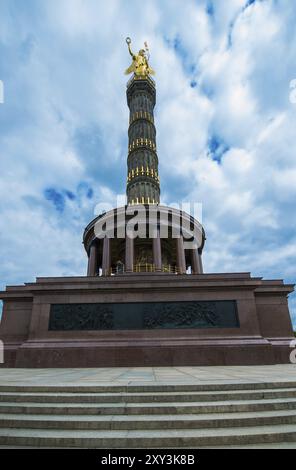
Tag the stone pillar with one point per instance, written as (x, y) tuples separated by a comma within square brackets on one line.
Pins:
[(200, 262), (195, 262), (181, 263), (157, 253), (129, 254), (106, 264), (92, 259)]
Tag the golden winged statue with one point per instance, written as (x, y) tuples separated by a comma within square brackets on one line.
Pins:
[(140, 66)]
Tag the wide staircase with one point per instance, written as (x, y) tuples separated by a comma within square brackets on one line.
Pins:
[(149, 416)]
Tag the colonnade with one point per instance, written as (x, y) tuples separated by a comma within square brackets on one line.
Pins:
[(196, 261)]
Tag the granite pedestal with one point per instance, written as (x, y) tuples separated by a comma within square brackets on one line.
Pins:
[(146, 320)]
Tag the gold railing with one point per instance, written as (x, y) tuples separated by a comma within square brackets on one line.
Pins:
[(170, 269), (146, 268), (150, 268)]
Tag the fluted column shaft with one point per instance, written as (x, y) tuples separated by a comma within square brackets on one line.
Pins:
[(143, 186), (196, 263), (200, 263), (92, 260), (106, 265), (181, 262), (129, 254), (157, 253)]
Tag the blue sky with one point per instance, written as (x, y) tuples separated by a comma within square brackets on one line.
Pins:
[(225, 126)]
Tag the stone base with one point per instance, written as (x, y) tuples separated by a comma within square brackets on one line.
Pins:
[(262, 335)]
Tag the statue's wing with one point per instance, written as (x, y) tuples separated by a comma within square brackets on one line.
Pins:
[(131, 69)]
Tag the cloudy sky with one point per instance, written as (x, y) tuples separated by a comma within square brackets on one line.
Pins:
[(225, 121)]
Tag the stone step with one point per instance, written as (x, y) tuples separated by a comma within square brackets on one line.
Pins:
[(157, 408), (145, 397), (187, 387), (275, 445), (144, 422), (148, 439)]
